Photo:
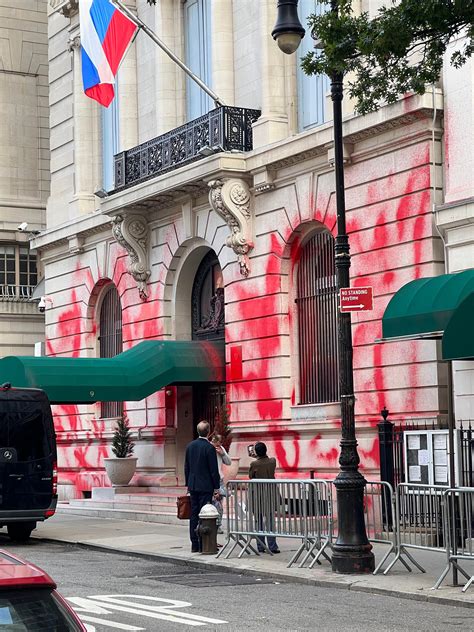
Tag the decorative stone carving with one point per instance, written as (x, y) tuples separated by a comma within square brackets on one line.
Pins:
[(66, 7), (231, 200), (131, 232), (76, 244), (74, 43)]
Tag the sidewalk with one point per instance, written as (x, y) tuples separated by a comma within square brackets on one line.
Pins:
[(171, 543)]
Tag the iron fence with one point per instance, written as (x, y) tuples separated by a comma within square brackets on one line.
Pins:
[(223, 129), (466, 444)]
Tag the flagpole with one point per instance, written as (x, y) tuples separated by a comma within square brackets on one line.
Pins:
[(152, 35)]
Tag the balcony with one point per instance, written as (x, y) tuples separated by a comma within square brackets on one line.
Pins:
[(223, 129), (16, 292)]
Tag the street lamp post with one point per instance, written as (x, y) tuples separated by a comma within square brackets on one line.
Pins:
[(352, 551)]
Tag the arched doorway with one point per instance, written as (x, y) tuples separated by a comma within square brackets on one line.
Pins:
[(208, 323)]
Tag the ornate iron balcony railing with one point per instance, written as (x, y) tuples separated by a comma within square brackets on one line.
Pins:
[(223, 129)]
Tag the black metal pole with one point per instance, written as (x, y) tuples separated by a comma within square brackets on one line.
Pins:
[(385, 431), (352, 552), (452, 467)]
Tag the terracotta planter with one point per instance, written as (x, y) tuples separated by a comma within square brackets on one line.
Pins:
[(120, 471), (230, 471)]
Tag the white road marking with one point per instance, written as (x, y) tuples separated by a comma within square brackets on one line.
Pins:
[(161, 609), (110, 624)]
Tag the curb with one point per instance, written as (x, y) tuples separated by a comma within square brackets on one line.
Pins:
[(276, 576)]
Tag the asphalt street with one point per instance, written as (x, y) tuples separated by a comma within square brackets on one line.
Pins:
[(113, 591)]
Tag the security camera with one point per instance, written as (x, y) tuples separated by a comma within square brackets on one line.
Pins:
[(42, 304), (22, 227)]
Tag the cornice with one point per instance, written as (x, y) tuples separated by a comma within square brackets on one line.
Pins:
[(315, 142), (262, 164), (85, 226), (68, 8), (164, 190)]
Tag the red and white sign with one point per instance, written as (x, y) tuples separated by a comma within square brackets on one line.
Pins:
[(356, 299)]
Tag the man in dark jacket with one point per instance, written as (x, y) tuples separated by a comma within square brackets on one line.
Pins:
[(202, 478), (264, 508)]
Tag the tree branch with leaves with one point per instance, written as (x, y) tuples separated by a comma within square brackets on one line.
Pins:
[(400, 50)]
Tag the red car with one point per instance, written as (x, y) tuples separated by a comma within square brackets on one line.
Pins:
[(29, 601)]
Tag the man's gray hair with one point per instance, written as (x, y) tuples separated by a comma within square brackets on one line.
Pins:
[(203, 428)]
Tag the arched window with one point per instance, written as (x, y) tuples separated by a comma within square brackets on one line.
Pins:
[(208, 300), (316, 302), (110, 341)]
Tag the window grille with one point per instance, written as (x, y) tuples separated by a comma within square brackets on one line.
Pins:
[(316, 302), (207, 300), (110, 341)]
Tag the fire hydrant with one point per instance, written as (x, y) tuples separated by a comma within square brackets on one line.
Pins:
[(207, 529)]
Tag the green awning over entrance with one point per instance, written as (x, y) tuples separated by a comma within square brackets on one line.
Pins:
[(435, 307), (129, 376)]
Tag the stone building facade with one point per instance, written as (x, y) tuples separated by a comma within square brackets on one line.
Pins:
[(245, 235), (24, 168)]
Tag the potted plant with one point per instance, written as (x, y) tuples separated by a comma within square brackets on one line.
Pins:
[(121, 467)]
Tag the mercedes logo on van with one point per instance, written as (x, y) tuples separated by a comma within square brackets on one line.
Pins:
[(7, 455)]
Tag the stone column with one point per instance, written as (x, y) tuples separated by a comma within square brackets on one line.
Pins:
[(86, 138), (169, 78), (273, 123), (128, 98), (222, 38)]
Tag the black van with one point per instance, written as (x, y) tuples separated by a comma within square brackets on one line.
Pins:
[(28, 474)]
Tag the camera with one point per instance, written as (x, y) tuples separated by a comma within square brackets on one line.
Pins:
[(22, 227), (42, 304)]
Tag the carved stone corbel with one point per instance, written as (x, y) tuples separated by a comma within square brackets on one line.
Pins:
[(131, 232), (74, 43), (67, 7), (231, 200)]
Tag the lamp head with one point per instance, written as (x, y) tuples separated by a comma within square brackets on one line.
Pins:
[(288, 30)]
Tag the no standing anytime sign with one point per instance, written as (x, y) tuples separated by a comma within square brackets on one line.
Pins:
[(356, 299)]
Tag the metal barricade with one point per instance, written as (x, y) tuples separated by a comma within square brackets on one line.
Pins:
[(379, 513), (459, 528), (379, 516), (262, 508), (320, 520), (419, 522)]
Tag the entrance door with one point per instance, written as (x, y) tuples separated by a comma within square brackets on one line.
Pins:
[(208, 402), (208, 324)]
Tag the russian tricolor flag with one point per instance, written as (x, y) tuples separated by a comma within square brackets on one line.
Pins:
[(105, 36)]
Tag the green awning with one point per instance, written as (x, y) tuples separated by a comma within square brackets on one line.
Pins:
[(435, 307), (129, 376)]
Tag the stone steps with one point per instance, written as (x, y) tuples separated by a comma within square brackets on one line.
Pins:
[(128, 503), (121, 514)]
